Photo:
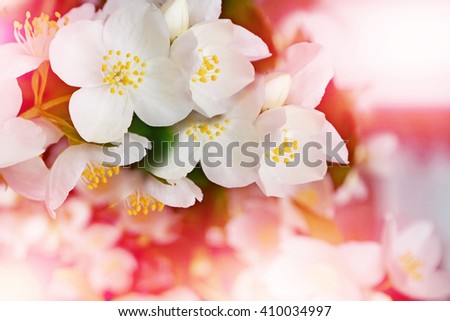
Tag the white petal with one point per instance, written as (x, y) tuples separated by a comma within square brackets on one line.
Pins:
[(308, 122), (421, 240), (100, 116), (76, 54), (236, 72), (176, 13), (131, 149), (185, 54), (434, 287), (113, 5), (311, 69), (215, 33), (86, 11), (52, 133), (20, 140), (278, 86), (138, 28), (336, 139), (162, 99), (15, 61), (65, 174), (28, 178), (232, 168), (249, 44), (11, 99), (178, 193), (247, 103), (179, 161), (303, 125), (204, 10)]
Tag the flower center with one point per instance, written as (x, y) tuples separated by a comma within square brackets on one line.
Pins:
[(412, 266), (208, 71), (285, 152), (208, 131), (122, 70), (35, 36), (142, 203), (96, 174)]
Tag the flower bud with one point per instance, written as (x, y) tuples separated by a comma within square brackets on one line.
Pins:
[(278, 86), (176, 13)]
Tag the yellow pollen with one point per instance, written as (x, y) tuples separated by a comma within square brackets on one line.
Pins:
[(412, 266), (208, 131), (208, 71), (142, 203), (120, 72), (285, 153), (96, 174), (35, 35)]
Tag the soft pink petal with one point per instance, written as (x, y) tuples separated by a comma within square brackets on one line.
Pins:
[(15, 61), (22, 140), (11, 99), (65, 174), (311, 71), (52, 133), (363, 262), (248, 44), (28, 178)]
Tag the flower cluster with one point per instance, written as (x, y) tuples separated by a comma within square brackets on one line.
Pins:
[(140, 73)]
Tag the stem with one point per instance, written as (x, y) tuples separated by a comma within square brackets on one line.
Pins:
[(43, 73), (55, 102), (35, 111)]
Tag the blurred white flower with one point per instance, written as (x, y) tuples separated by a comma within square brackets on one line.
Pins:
[(290, 128), (308, 269), (413, 257), (112, 270)]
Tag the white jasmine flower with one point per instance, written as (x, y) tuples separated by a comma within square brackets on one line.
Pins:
[(122, 67), (217, 57), (87, 162), (217, 135)]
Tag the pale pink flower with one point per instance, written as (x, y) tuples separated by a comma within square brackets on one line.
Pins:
[(33, 39), (309, 269), (112, 270), (413, 258)]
